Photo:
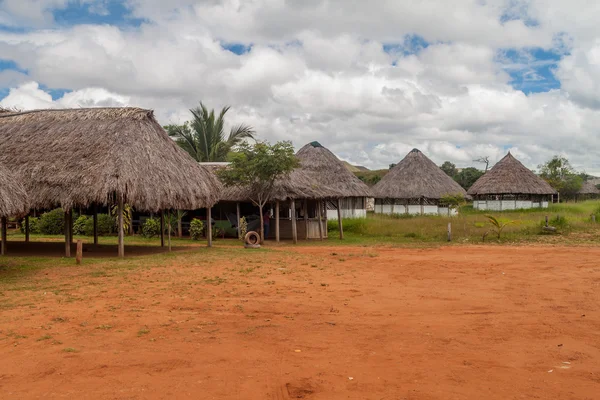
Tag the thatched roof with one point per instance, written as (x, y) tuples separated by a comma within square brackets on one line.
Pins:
[(331, 173), (77, 157), (589, 187), (414, 177), (13, 198), (509, 176)]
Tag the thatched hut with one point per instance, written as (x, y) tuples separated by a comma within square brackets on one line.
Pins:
[(509, 185), (13, 202), (102, 156), (589, 190), (414, 186), (326, 169)]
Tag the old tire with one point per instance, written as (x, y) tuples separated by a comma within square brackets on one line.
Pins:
[(252, 238)]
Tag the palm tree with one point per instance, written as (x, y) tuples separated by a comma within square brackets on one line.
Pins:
[(204, 136)]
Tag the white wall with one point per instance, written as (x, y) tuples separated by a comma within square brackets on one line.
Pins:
[(506, 205)]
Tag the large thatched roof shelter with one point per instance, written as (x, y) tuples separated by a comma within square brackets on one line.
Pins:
[(414, 186), (589, 188), (325, 168), (82, 157), (13, 202), (510, 185)]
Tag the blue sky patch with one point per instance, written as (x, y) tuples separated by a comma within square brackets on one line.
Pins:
[(412, 44), (531, 70), (113, 12), (237, 48), (9, 64)]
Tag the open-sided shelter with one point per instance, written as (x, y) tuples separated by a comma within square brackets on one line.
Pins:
[(589, 190), (414, 186), (509, 185), (326, 169), (100, 157), (13, 202)]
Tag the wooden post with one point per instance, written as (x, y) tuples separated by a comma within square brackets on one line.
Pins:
[(277, 221), (340, 225), (67, 239), (393, 204), (79, 253), (179, 224), (421, 201), (27, 228), (3, 246), (169, 234), (239, 231), (120, 227), (449, 231), (162, 228), (71, 227), (305, 205), (594, 218), (294, 227), (209, 226), (95, 217), (319, 210), (546, 220)]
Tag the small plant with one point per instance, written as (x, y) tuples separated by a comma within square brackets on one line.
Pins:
[(243, 228), (79, 225), (143, 331), (557, 224), (497, 226), (218, 232), (196, 229), (151, 228)]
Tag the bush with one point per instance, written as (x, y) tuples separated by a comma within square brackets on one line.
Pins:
[(559, 222), (106, 225), (354, 225), (151, 228), (52, 222), (34, 225), (196, 229), (79, 225), (243, 228)]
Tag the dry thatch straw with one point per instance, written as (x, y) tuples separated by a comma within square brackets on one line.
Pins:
[(13, 198), (509, 176), (589, 187), (331, 173), (416, 176), (78, 157)]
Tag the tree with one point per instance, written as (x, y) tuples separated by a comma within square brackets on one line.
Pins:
[(467, 177), (484, 160), (257, 168), (449, 168), (559, 173), (204, 136)]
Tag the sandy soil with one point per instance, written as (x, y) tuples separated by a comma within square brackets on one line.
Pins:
[(311, 323)]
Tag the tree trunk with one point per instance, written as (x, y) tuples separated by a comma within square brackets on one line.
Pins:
[(121, 228), (340, 225), (277, 221), (179, 225), (162, 228), (3, 246), (262, 225), (209, 226)]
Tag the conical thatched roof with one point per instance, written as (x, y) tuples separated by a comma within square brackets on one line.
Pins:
[(589, 187), (13, 199), (509, 176), (331, 173), (77, 157), (414, 177)]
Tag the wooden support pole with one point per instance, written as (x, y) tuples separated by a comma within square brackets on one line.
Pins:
[(277, 237), (179, 224), (79, 252), (421, 201), (162, 228), (27, 228), (3, 246), (121, 228), (71, 227), (67, 239), (239, 231), (594, 218), (449, 231), (305, 205), (546, 220), (209, 226), (294, 227), (95, 217), (169, 233), (319, 210), (340, 225)]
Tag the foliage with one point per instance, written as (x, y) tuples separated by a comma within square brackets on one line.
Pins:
[(467, 177), (559, 222), (151, 228), (127, 216), (453, 201), (392, 165), (370, 178), (352, 225), (196, 229), (449, 168), (204, 136), (79, 225), (559, 173), (106, 225), (170, 218), (497, 225), (258, 167), (52, 222), (34, 225), (243, 228)]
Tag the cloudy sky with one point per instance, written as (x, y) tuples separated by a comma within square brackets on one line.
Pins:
[(369, 79)]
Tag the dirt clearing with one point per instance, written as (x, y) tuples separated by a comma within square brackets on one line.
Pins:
[(310, 323)]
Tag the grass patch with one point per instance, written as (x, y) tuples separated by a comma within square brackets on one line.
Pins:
[(70, 350)]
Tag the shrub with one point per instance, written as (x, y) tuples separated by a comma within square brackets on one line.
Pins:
[(559, 222), (34, 225), (151, 228), (354, 225), (79, 225), (243, 228), (196, 229), (52, 222), (106, 225)]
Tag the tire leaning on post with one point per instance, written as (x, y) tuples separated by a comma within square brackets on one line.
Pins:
[(252, 240)]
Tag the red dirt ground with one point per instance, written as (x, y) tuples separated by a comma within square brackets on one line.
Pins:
[(312, 323)]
